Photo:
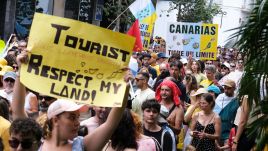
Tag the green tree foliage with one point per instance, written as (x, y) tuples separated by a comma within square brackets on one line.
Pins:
[(112, 8), (194, 10), (253, 42)]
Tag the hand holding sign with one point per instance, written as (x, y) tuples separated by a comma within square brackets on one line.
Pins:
[(68, 63)]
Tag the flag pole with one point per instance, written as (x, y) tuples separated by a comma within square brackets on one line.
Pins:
[(117, 17)]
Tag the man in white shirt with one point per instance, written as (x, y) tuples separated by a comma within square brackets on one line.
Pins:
[(8, 84), (225, 98), (143, 92)]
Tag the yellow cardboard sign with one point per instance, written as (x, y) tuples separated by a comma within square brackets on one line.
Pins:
[(77, 61)]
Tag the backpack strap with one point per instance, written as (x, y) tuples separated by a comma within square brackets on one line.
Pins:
[(172, 108)]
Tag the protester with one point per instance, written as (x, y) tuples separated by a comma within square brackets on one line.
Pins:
[(210, 73), (101, 114), (226, 106), (25, 135), (151, 113), (167, 95), (145, 63), (128, 135), (8, 84), (143, 93), (205, 125)]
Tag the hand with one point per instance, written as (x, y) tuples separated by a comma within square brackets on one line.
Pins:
[(234, 147), (128, 75), (202, 135), (22, 58), (195, 133)]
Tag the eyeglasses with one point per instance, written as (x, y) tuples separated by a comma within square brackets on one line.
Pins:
[(225, 68), (208, 63), (9, 80), (25, 144), (233, 66), (46, 98), (15, 67)]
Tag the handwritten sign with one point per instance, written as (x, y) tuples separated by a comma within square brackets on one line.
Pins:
[(77, 61), (197, 39)]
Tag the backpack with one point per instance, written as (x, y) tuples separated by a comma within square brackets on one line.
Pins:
[(167, 129)]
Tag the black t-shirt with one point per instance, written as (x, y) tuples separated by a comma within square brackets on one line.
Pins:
[(167, 146)]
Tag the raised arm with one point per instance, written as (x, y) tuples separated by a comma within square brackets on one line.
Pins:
[(99, 137), (17, 105)]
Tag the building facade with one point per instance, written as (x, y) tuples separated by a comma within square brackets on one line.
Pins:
[(16, 15)]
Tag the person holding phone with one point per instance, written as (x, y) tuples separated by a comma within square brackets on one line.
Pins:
[(206, 125)]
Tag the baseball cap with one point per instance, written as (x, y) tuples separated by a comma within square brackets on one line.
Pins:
[(226, 64), (214, 88), (184, 60), (200, 91), (163, 114), (229, 83), (161, 55), (10, 74), (61, 105)]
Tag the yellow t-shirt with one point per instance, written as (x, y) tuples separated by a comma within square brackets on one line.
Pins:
[(205, 83), (4, 132)]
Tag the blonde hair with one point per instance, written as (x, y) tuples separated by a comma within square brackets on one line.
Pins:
[(138, 124)]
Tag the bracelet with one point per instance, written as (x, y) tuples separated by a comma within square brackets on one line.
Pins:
[(234, 142)]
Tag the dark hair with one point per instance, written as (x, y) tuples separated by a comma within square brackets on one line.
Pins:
[(193, 82), (145, 55), (198, 66), (160, 78), (209, 98), (10, 60), (176, 56), (202, 66), (124, 135), (177, 64), (26, 127), (152, 103), (4, 108), (145, 74)]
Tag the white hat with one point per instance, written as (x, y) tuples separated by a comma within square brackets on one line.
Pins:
[(184, 60), (226, 64), (200, 91), (163, 114), (61, 105)]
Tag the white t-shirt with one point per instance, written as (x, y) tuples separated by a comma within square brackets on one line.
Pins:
[(140, 97), (8, 96), (221, 101)]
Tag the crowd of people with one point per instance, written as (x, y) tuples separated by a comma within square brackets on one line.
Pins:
[(171, 103)]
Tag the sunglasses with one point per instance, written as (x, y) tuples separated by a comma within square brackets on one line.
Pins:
[(25, 144), (46, 98), (241, 62), (15, 67), (208, 63), (225, 68), (9, 80)]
